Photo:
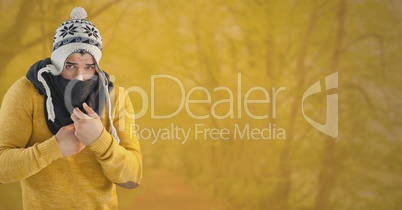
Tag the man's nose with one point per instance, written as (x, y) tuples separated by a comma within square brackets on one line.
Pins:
[(80, 74)]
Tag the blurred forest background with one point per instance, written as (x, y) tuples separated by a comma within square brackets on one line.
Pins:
[(271, 43)]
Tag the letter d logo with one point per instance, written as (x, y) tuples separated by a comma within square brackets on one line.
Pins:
[(331, 122)]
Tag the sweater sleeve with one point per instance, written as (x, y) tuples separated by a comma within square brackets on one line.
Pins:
[(121, 163), (17, 162)]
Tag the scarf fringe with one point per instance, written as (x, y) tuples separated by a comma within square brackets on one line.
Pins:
[(109, 107), (49, 104)]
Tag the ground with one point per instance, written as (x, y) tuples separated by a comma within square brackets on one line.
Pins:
[(164, 189)]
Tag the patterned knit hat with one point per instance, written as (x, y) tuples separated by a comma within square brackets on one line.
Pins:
[(75, 35)]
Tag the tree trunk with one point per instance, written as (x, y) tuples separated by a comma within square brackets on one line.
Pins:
[(281, 192), (330, 161)]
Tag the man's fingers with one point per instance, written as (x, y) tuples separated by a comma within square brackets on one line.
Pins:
[(74, 118), (69, 127), (89, 110), (80, 115)]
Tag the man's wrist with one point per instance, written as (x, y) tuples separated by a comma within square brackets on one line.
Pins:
[(102, 143), (50, 149)]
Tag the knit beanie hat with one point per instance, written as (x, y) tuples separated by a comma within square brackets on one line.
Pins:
[(72, 36)]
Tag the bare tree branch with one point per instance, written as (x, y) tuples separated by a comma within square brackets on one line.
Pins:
[(377, 38), (104, 8)]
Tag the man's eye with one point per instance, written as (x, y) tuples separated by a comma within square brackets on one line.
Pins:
[(69, 66), (90, 67)]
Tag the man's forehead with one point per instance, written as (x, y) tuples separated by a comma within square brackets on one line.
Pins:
[(78, 58)]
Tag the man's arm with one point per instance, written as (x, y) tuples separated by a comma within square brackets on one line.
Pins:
[(121, 163), (16, 161)]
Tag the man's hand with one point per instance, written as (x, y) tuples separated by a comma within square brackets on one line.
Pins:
[(88, 127), (68, 142)]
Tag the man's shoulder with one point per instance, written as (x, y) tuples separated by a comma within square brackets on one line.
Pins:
[(21, 92), (22, 85), (120, 95), (117, 91)]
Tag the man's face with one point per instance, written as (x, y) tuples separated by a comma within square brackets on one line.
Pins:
[(80, 67)]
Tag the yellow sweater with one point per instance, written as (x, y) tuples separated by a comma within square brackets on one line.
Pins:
[(30, 154)]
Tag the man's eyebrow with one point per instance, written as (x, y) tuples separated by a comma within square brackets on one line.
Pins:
[(69, 63)]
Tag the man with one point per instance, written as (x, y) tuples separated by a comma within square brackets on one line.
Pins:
[(52, 138)]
